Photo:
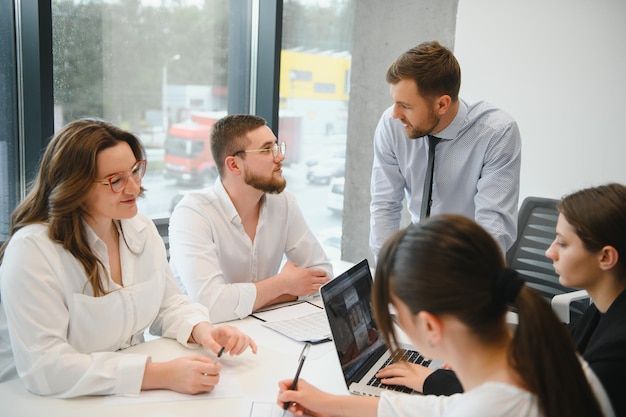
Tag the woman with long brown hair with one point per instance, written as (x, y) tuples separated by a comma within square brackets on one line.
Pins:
[(83, 274)]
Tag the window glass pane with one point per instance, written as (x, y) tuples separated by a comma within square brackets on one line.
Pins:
[(9, 184), (155, 67), (314, 98)]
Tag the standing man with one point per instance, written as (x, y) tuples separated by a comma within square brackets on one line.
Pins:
[(476, 158), (227, 242)]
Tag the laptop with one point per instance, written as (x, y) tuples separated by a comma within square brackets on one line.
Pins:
[(361, 349)]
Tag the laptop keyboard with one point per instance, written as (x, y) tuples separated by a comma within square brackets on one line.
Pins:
[(402, 355)]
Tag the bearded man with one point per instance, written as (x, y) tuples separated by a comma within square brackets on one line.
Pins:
[(227, 242)]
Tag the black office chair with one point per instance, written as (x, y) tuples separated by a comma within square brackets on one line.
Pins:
[(536, 229), (163, 228)]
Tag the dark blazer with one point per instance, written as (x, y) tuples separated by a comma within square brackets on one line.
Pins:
[(442, 382), (601, 339)]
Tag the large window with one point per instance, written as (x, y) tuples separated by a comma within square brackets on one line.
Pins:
[(9, 189), (157, 68), (314, 97), (167, 70)]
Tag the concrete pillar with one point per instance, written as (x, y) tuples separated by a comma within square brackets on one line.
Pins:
[(382, 31)]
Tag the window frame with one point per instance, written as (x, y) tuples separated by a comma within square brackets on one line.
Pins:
[(34, 62), (35, 100)]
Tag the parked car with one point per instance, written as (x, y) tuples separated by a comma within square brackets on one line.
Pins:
[(337, 153), (326, 170), (335, 196)]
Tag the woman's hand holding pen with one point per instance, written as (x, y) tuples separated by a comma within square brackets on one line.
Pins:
[(197, 374), (188, 374), (215, 338), (304, 399)]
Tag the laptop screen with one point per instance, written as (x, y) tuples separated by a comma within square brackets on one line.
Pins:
[(348, 305)]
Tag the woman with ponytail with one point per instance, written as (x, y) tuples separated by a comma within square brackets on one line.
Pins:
[(447, 281)]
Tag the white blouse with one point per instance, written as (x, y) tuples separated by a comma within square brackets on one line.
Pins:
[(63, 339)]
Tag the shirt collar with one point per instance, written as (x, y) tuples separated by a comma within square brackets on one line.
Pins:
[(452, 130), (226, 202), (133, 229)]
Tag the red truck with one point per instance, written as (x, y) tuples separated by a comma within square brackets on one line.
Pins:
[(188, 151)]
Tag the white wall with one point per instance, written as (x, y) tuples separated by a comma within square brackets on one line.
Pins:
[(557, 66)]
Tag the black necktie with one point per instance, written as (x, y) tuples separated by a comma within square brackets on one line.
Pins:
[(428, 181)]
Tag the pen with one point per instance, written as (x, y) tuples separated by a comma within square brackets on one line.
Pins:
[(217, 360), (219, 355), (305, 350)]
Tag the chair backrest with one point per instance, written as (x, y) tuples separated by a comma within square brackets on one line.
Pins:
[(536, 229), (163, 228)]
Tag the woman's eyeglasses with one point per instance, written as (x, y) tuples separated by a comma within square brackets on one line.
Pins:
[(118, 181)]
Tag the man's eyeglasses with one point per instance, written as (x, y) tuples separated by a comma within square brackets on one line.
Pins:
[(275, 149), (118, 181)]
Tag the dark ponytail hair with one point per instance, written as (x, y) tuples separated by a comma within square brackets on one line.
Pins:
[(450, 265), (543, 354)]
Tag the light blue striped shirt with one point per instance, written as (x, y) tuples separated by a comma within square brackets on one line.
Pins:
[(477, 171)]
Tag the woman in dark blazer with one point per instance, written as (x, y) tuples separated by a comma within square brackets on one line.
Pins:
[(589, 252)]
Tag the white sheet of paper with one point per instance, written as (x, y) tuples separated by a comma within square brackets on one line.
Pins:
[(266, 339), (310, 328), (260, 409), (291, 311)]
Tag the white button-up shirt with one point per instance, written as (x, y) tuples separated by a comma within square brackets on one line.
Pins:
[(63, 338), (217, 262)]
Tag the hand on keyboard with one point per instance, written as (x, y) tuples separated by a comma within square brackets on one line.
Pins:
[(405, 374)]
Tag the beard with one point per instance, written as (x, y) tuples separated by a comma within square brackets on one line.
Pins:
[(272, 185), (432, 121)]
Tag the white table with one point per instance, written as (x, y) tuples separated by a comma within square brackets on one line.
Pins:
[(257, 375)]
